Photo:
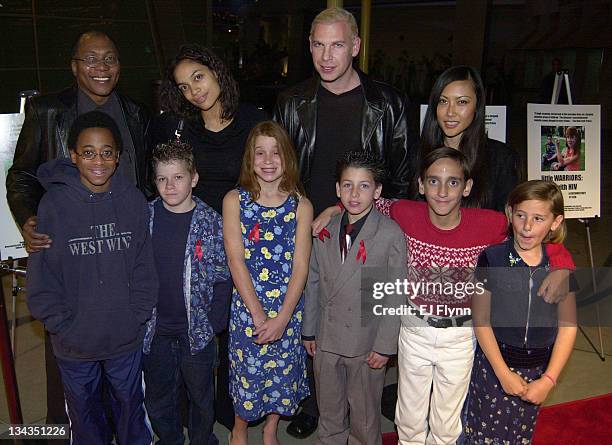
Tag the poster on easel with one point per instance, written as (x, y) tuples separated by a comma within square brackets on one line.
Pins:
[(495, 121), (11, 241), (564, 145)]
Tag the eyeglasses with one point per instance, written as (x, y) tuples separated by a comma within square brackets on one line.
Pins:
[(106, 155), (93, 61)]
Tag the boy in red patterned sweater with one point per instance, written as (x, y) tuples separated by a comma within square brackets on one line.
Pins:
[(436, 342)]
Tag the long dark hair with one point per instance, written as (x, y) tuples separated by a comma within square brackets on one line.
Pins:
[(172, 99), (473, 142)]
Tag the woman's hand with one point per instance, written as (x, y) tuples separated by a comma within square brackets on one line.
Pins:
[(271, 330)]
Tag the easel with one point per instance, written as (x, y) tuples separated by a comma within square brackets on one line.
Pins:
[(16, 270), (8, 363), (7, 340), (15, 290), (562, 79)]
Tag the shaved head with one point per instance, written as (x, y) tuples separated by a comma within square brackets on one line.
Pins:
[(89, 35)]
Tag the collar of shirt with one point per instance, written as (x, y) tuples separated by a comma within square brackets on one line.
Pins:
[(85, 104), (357, 225)]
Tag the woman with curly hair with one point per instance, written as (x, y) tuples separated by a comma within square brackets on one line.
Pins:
[(199, 91), (200, 100)]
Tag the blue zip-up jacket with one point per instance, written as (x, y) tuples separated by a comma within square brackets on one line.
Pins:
[(205, 266), (519, 317), (95, 287)]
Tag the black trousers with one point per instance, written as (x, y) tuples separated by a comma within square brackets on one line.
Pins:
[(309, 404), (224, 406)]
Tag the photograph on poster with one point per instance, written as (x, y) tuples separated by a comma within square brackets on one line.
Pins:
[(563, 148), (564, 144)]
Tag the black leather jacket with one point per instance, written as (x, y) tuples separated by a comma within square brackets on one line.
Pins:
[(386, 129), (44, 136)]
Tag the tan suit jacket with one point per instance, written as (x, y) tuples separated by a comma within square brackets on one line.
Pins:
[(338, 306)]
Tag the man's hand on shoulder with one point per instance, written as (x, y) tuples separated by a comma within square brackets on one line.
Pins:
[(35, 242)]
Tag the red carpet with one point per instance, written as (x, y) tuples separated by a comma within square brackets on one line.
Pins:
[(581, 422)]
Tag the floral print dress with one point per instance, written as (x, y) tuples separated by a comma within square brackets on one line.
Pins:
[(493, 417), (268, 378)]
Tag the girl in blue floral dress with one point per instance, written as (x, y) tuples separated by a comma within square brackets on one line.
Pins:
[(266, 227)]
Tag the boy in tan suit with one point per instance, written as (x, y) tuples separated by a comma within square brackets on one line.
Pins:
[(349, 344)]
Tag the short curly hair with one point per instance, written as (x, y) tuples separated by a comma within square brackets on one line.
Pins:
[(173, 151), (172, 99), (94, 119)]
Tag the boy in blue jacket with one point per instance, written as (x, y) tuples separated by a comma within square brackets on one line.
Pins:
[(193, 306), (94, 288)]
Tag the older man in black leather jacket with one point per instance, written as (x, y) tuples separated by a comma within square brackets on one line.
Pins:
[(342, 109), (95, 65)]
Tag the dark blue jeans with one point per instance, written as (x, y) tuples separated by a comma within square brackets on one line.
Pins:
[(169, 365)]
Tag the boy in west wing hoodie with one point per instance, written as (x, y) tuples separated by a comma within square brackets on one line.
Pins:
[(95, 287)]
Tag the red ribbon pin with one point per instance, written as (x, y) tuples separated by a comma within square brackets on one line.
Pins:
[(198, 250), (324, 233), (361, 253), (254, 233)]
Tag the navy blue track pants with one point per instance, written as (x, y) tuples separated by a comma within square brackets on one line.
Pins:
[(83, 390)]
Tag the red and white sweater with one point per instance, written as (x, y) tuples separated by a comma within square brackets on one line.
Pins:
[(449, 256)]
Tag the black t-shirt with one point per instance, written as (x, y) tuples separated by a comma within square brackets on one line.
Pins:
[(338, 131), (218, 155), (170, 233)]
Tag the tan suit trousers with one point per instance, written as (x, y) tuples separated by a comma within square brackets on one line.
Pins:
[(348, 396)]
